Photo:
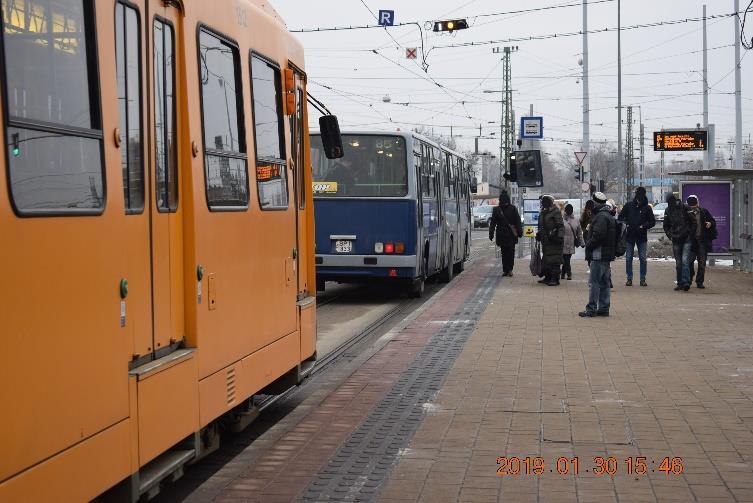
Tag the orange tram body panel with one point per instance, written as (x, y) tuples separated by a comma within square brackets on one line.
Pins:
[(157, 236)]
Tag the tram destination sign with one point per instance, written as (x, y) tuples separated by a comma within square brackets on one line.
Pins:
[(680, 140)]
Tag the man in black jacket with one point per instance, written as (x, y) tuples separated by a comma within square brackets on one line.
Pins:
[(600, 251), (505, 220), (639, 218), (677, 227), (702, 234)]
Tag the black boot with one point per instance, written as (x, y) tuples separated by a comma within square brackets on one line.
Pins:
[(554, 276)]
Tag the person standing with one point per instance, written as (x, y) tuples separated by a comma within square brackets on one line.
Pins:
[(586, 215), (600, 251), (639, 218), (573, 240), (703, 233), (677, 228), (505, 220), (551, 235)]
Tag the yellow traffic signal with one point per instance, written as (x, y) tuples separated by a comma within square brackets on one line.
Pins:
[(450, 25)]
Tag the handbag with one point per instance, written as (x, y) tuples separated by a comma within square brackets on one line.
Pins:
[(537, 262)]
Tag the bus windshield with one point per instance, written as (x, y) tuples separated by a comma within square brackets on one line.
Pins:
[(373, 166)]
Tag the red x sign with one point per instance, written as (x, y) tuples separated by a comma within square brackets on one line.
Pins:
[(411, 52)]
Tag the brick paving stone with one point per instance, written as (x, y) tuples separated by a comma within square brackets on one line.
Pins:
[(668, 374)]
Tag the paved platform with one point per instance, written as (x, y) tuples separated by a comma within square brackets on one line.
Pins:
[(496, 370)]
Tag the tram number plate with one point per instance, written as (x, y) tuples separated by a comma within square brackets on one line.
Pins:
[(343, 246)]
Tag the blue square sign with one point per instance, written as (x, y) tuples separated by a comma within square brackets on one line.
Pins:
[(386, 18), (531, 128)]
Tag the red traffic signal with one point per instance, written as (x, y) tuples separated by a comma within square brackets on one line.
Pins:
[(450, 25)]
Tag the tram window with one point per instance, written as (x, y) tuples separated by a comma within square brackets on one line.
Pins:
[(222, 112), (53, 127), (165, 133), (128, 71), (271, 172)]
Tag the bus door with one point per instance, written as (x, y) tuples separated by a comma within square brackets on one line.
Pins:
[(430, 210), (301, 186), (163, 27), (441, 217)]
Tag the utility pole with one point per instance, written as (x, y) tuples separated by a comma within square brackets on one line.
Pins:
[(586, 141), (738, 93), (630, 153), (506, 128), (706, 155), (620, 164)]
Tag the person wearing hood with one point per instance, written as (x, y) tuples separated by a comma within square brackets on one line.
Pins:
[(677, 227), (639, 218), (600, 251), (551, 234), (573, 239), (505, 220), (703, 232)]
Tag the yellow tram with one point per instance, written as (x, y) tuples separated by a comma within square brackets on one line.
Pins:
[(156, 235)]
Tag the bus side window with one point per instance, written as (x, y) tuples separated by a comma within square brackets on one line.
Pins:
[(222, 112), (128, 72), (53, 127), (271, 172)]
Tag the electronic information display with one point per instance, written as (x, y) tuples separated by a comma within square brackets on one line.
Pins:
[(680, 141)]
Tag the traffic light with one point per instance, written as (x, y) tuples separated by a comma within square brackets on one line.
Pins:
[(450, 25), (512, 175), (16, 150), (602, 186), (578, 174)]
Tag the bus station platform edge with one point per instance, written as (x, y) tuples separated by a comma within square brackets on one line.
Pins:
[(495, 390)]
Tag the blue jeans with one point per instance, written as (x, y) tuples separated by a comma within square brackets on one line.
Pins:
[(681, 251), (599, 292), (642, 254)]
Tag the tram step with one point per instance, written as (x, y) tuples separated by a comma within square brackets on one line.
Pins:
[(168, 465)]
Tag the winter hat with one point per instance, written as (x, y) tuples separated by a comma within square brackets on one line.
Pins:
[(504, 198), (599, 197), (692, 200), (611, 204)]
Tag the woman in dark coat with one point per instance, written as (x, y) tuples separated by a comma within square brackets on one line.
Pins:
[(551, 235), (505, 221)]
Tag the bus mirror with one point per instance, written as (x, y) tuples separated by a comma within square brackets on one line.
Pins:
[(331, 139), (474, 185)]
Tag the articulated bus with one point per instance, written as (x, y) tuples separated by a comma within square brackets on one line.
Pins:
[(157, 236), (394, 208)]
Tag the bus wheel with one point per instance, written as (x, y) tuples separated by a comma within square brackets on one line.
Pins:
[(449, 269)]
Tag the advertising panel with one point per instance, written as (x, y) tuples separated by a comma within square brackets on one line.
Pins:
[(717, 198)]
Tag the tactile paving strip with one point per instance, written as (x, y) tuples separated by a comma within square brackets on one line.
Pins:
[(363, 462)]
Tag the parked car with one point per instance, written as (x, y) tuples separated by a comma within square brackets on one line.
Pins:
[(481, 215), (659, 211)]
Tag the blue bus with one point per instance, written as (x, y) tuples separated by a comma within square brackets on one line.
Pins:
[(395, 208)]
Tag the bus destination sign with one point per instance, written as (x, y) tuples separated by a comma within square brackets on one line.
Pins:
[(680, 140)]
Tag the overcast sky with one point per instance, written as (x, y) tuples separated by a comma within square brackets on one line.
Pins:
[(661, 66)]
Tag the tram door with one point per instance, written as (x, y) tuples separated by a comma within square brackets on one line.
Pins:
[(163, 28), (300, 186)]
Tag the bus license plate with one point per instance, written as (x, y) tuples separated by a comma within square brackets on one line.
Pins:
[(343, 246)]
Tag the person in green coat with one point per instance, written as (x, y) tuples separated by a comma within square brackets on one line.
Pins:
[(551, 234)]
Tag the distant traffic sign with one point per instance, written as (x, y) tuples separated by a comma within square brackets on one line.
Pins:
[(680, 140), (386, 18), (580, 156), (411, 52), (531, 128)]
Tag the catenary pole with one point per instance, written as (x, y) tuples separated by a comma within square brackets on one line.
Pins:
[(620, 160), (738, 94), (707, 153), (586, 141)]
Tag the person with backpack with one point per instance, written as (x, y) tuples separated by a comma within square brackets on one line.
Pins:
[(573, 239), (551, 234), (505, 220), (600, 251), (677, 227), (703, 233), (639, 218)]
